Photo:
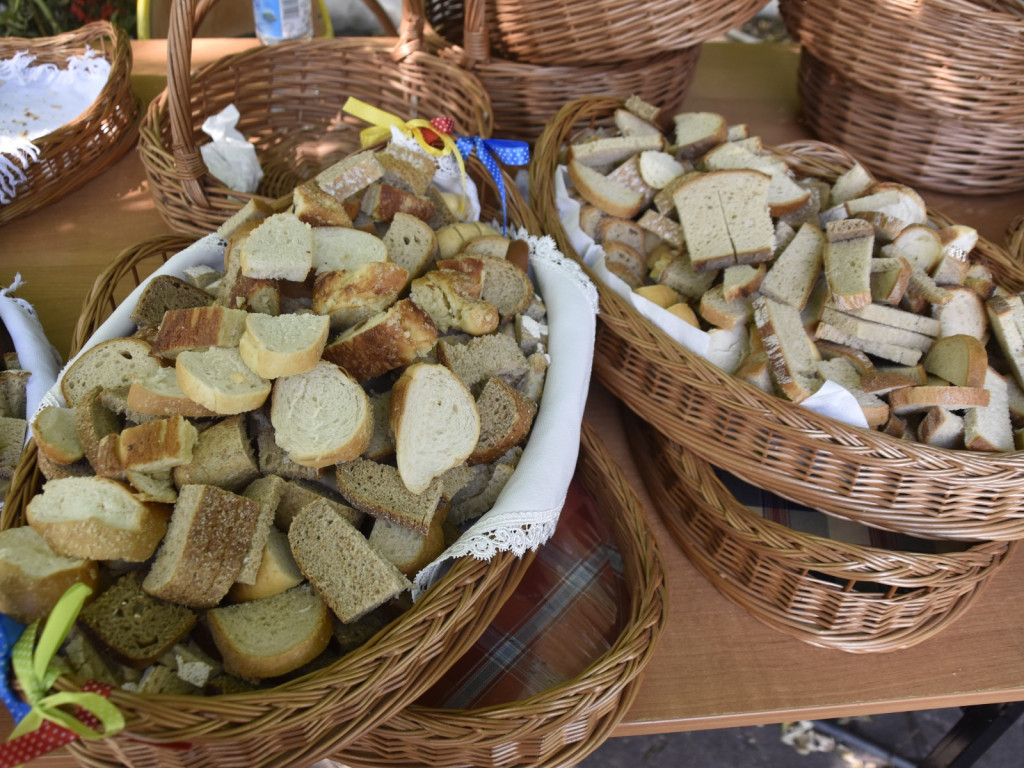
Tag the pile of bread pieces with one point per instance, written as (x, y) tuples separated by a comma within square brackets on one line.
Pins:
[(13, 416), (250, 480), (800, 280)]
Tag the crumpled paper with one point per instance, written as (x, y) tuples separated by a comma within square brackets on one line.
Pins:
[(229, 156)]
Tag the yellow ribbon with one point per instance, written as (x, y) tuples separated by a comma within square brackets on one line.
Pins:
[(36, 675), (381, 123)]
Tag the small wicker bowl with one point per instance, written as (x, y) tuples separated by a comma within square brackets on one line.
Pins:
[(589, 32), (565, 723), (861, 474), (825, 592), (96, 139), (289, 97)]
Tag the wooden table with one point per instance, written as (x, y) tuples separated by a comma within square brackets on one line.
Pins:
[(716, 666)]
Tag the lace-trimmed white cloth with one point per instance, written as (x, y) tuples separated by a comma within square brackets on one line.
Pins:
[(37, 99)]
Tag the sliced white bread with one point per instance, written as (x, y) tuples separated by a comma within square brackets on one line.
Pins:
[(849, 247), (55, 434), (435, 421), (271, 636), (720, 312), (679, 274), (283, 345), (349, 574), (95, 518), (916, 399), (321, 417), (658, 169), (33, 577), (892, 199), (1006, 319), (960, 359), (107, 365), (345, 248), (741, 280), (411, 244), (989, 428), (631, 124), (792, 356), (963, 313), (280, 248), (610, 151), (612, 197), (869, 330), (792, 274), (942, 428), (697, 132), (350, 175), (159, 394), (890, 278), (884, 379), (879, 346), (843, 373), (851, 183), (219, 379)]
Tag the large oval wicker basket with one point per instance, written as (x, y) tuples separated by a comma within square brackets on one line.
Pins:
[(928, 93), (289, 97), (864, 475), (851, 597), (562, 724), (85, 147), (590, 32), (303, 720)]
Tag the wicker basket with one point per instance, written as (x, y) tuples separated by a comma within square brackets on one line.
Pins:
[(928, 93), (289, 97), (526, 96), (864, 475), (585, 32), (301, 721), (96, 139), (565, 723), (825, 592)]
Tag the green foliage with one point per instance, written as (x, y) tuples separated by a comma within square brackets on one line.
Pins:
[(43, 18)]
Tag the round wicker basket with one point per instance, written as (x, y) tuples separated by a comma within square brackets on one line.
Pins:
[(582, 33), (565, 723), (825, 592), (303, 720), (96, 139), (289, 97), (864, 475)]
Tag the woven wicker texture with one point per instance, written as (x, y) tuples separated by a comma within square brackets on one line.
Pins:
[(899, 141), (565, 723), (828, 593), (96, 139), (949, 58), (526, 96), (860, 474), (290, 98), (588, 32), (299, 722)]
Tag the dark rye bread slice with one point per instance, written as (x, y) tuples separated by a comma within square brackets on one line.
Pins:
[(378, 490), (205, 547), (165, 292), (505, 420), (136, 627), (350, 575)]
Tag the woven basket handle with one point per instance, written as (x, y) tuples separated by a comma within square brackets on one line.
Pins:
[(475, 38), (186, 15)]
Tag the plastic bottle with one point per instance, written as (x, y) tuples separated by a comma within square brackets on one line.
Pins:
[(279, 20)]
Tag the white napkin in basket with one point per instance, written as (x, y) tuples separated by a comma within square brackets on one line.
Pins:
[(35, 353), (830, 400)]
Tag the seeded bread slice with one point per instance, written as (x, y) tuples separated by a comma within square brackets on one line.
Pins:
[(378, 490), (505, 421), (164, 292)]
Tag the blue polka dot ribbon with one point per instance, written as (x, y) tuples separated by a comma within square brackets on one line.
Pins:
[(507, 151), (10, 631)]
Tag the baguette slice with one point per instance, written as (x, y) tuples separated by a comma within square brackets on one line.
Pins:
[(279, 248), (219, 379), (56, 435), (321, 417), (159, 394), (961, 360), (283, 345), (273, 635), (108, 365)]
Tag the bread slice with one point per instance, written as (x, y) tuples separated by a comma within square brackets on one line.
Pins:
[(890, 278), (318, 208), (662, 226), (849, 247), (56, 435), (277, 570), (452, 300), (408, 550), (339, 562), (222, 456), (791, 352), (298, 494), (613, 150), (851, 183), (631, 124), (961, 360), (345, 248), (384, 342), (352, 296), (280, 248), (321, 417), (157, 445), (989, 428), (920, 245), (271, 636), (483, 357), (842, 372), (506, 417), (382, 201), (741, 280), (612, 197), (159, 395), (885, 379), (107, 365), (723, 313), (697, 132), (411, 244), (136, 628), (941, 428), (505, 286), (1006, 319), (679, 274), (435, 422), (964, 313), (350, 175), (94, 421), (33, 577), (792, 274), (879, 346), (205, 546), (164, 292), (198, 328), (378, 490), (869, 330), (218, 379), (283, 345)]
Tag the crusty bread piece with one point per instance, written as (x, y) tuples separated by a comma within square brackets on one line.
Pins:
[(345, 570), (488, 245), (913, 399), (506, 417), (860, 360), (481, 358), (612, 197), (920, 245), (942, 428), (33, 577), (382, 201), (961, 360), (452, 237), (56, 436), (109, 364), (284, 345), (658, 168), (662, 226), (352, 296), (851, 183), (625, 262), (409, 169), (157, 445), (505, 285), (237, 291), (989, 428), (205, 546), (378, 490), (630, 124), (785, 196), (12, 441), (134, 627), (964, 313), (158, 394), (879, 347), (152, 486), (610, 151), (791, 352), (218, 379), (722, 313), (382, 442), (408, 550), (887, 228), (885, 379), (344, 248), (849, 247), (870, 330), (792, 274), (1006, 319), (250, 214), (471, 503), (741, 280), (842, 372), (384, 342), (277, 570), (280, 248), (94, 422), (321, 417), (697, 132), (679, 274), (892, 199), (222, 456), (271, 636), (317, 208), (272, 458), (96, 518), (198, 328), (890, 278), (164, 292), (725, 218), (435, 422), (350, 175), (411, 244), (299, 493), (661, 295)]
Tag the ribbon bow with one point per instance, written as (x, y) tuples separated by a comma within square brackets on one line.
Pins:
[(42, 725), (509, 152), (425, 132)]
